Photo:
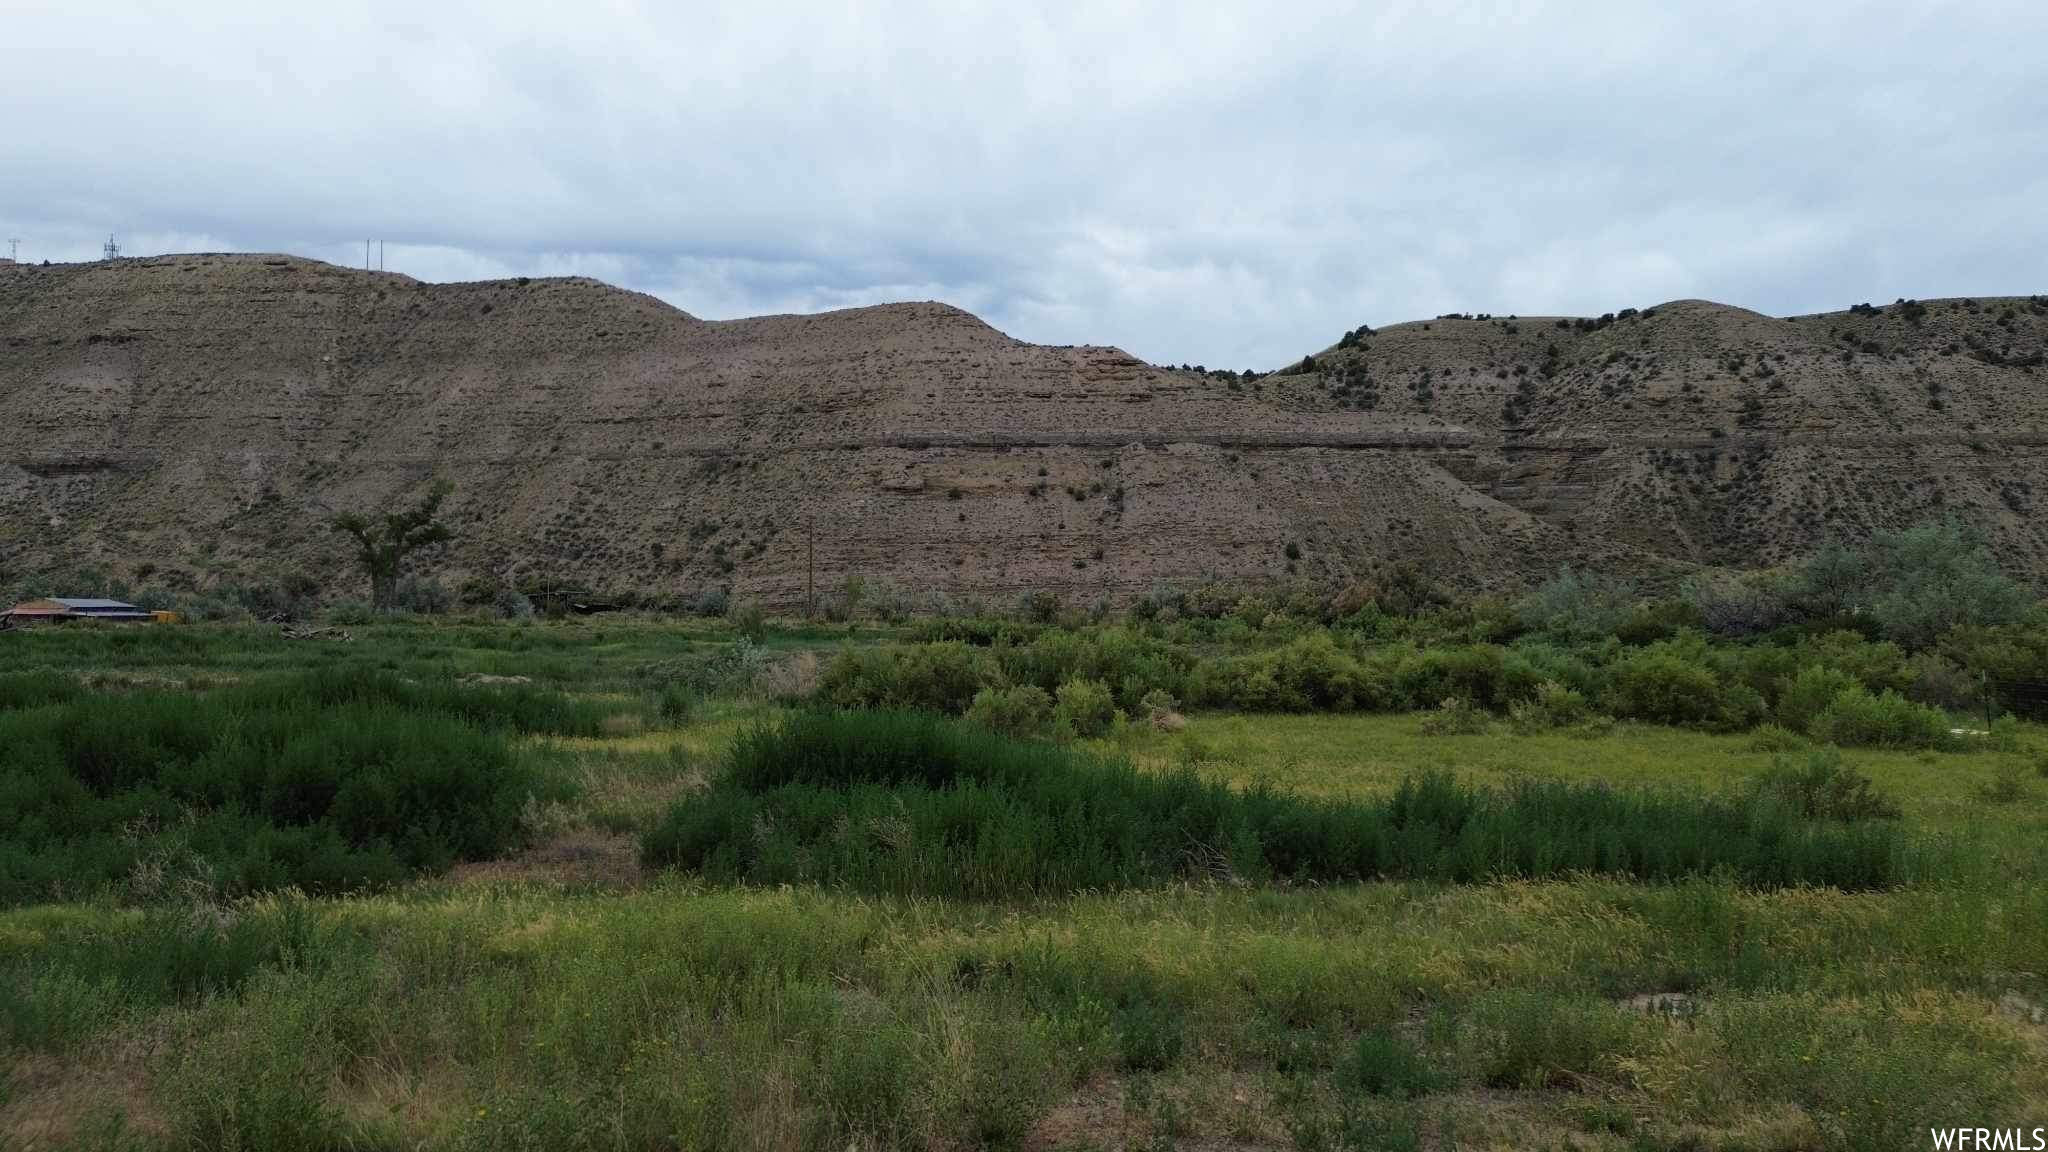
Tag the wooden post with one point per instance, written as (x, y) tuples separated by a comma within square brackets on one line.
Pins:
[(811, 567)]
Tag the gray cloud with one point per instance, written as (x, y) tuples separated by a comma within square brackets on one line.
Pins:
[(1230, 186)]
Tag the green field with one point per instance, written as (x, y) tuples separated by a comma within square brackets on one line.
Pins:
[(405, 983)]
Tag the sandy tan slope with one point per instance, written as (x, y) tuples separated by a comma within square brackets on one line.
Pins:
[(203, 414)]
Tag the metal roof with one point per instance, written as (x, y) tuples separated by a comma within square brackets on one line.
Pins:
[(76, 604)]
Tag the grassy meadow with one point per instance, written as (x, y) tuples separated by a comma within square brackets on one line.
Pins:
[(637, 883)]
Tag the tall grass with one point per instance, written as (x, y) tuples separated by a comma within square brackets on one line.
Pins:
[(328, 782), (523, 708), (912, 803), (33, 689)]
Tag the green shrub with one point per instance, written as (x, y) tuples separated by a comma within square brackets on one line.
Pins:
[(1572, 668), (1877, 665), (1456, 716), (1820, 787), (1527, 1039), (161, 955), (1857, 719), (1662, 686), (1041, 606), (1309, 673), (842, 749), (1939, 682), (1653, 620), (34, 689), (1684, 682), (2006, 786), (674, 702), (747, 618), (1130, 662), (1809, 693), (2004, 733), (1084, 708), (943, 677), (1777, 738), (1738, 605), (710, 670), (1150, 1027), (913, 803), (1555, 706), (1381, 1063), (523, 708), (1578, 605), (421, 595), (1739, 707), (1024, 710), (325, 782), (711, 602), (977, 631), (349, 611), (1486, 674), (1158, 703)]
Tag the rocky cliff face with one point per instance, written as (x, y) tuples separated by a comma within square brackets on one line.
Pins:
[(204, 414)]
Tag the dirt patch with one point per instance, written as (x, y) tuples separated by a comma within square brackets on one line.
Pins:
[(580, 858), (1096, 1115), (488, 678), (53, 1103), (1093, 1115)]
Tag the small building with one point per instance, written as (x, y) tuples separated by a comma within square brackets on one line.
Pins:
[(74, 608)]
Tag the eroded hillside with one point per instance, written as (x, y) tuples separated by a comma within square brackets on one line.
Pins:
[(203, 415)]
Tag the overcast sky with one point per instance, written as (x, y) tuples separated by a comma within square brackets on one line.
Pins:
[(1225, 184)]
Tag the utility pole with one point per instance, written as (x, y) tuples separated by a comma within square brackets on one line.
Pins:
[(811, 566)]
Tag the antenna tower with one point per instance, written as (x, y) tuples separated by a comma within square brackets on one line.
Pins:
[(13, 249), (111, 250)]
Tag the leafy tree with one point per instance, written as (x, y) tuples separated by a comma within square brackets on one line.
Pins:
[(1833, 581), (1578, 604), (383, 543), (1932, 577), (1915, 584), (1738, 604)]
